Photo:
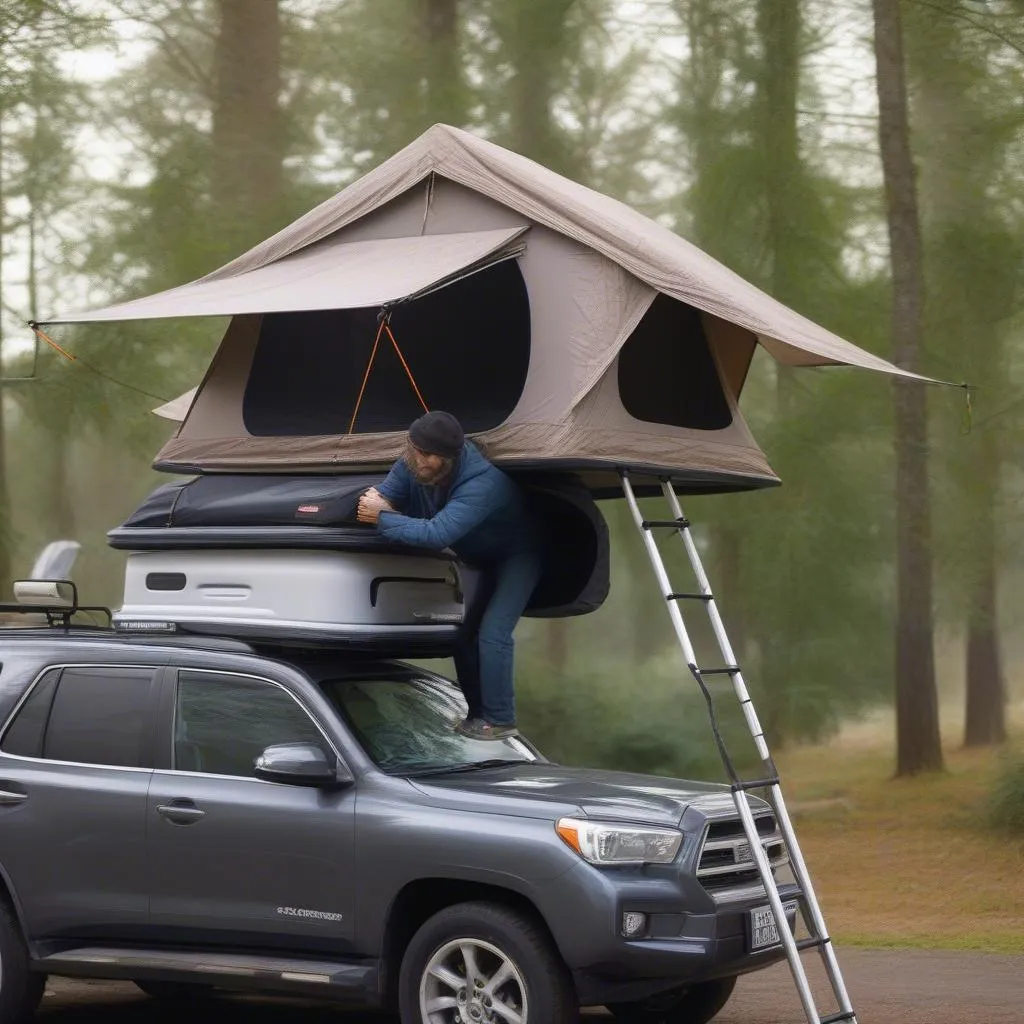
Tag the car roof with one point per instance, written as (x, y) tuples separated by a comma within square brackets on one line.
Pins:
[(57, 636), (318, 664)]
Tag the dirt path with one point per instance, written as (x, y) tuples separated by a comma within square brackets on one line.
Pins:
[(887, 987)]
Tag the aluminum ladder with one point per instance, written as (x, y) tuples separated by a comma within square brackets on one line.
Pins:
[(807, 902)]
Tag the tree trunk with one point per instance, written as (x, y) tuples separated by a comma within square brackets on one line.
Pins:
[(779, 28), (973, 277), (248, 139), (445, 89), (536, 41), (918, 740)]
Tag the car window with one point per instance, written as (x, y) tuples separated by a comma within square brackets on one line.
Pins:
[(24, 736), (101, 716), (222, 723), (408, 724)]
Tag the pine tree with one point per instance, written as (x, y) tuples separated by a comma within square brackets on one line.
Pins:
[(37, 109), (918, 742), (966, 115)]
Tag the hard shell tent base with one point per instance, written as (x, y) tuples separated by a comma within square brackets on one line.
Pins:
[(283, 558)]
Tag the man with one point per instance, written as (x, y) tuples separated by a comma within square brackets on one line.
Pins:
[(443, 493)]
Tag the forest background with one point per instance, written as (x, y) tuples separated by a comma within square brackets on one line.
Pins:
[(861, 160)]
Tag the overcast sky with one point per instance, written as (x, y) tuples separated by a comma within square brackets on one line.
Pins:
[(841, 68)]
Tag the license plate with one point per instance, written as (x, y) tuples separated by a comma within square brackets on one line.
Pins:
[(764, 932)]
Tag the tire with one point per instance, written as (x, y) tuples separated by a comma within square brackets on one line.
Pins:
[(696, 1005), (20, 990), (174, 991), (536, 985)]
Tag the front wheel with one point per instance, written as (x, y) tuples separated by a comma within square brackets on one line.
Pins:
[(696, 1005), (20, 990), (481, 963)]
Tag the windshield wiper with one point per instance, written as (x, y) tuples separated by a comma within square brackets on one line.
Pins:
[(466, 766)]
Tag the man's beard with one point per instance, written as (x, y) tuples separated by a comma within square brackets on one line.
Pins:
[(428, 477)]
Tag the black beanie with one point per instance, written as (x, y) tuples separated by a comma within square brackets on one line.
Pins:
[(438, 433)]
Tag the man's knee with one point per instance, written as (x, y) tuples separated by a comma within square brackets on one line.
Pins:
[(496, 636)]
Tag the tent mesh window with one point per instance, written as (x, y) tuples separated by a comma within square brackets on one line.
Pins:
[(467, 346), (667, 373)]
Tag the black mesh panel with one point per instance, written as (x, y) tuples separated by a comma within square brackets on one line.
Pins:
[(666, 371), (467, 345)]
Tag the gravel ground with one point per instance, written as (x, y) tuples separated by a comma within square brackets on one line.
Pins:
[(887, 987)]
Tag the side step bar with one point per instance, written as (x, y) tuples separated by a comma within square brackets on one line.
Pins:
[(347, 981)]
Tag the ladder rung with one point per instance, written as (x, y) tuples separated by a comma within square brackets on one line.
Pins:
[(674, 524), (832, 1018), (755, 784), (815, 943), (689, 597), (729, 670)]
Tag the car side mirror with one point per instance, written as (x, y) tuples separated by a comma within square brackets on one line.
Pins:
[(300, 764)]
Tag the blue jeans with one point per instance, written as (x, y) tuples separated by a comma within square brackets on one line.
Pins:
[(484, 653)]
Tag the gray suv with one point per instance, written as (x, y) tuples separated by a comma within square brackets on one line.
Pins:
[(201, 814)]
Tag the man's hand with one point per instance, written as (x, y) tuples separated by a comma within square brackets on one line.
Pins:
[(371, 504)]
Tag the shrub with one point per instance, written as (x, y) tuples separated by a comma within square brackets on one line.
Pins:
[(639, 721), (1006, 802)]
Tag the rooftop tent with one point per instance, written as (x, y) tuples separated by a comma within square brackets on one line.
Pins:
[(566, 330)]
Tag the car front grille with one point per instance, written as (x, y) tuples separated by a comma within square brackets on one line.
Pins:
[(726, 867)]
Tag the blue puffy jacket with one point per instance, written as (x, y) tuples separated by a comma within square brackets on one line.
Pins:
[(480, 513)]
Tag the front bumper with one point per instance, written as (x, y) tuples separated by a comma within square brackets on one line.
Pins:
[(689, 938), (645, 967)]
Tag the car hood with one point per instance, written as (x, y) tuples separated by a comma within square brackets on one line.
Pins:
[(551, 791)]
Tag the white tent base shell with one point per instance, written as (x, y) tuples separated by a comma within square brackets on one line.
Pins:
[(359, 600)]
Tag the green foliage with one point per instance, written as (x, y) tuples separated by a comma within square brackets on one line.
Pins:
[(1005, 809), (808, 578), (641, 718)]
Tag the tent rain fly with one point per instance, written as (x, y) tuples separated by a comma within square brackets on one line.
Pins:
[(567, 331)]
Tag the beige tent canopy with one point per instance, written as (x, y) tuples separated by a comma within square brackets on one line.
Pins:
[(565, 330)]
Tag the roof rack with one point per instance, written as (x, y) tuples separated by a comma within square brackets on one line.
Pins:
[(56, 599)]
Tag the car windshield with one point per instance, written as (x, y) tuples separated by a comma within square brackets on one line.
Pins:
[(407, 725)]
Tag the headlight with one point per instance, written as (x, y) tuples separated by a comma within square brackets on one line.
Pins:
[(606, 843)]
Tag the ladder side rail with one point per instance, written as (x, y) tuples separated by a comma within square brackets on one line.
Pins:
[(771, 889), (658, 565), (659, 571), (740, 687), (810, 900), (808, 896)]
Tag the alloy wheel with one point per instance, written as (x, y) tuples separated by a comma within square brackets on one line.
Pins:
[(469, 981)]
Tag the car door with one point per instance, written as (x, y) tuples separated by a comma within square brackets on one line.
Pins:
[(75, 765), (235, 859)]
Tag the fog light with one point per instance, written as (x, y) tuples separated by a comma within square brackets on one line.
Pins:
[(633, 924)]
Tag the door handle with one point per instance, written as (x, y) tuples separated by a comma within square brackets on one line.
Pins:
[(9, 799), (180, 814)]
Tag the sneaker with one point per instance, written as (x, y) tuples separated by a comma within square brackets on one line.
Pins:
[(478, 729)]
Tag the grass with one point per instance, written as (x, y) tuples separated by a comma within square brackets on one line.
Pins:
[(905, 862)]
